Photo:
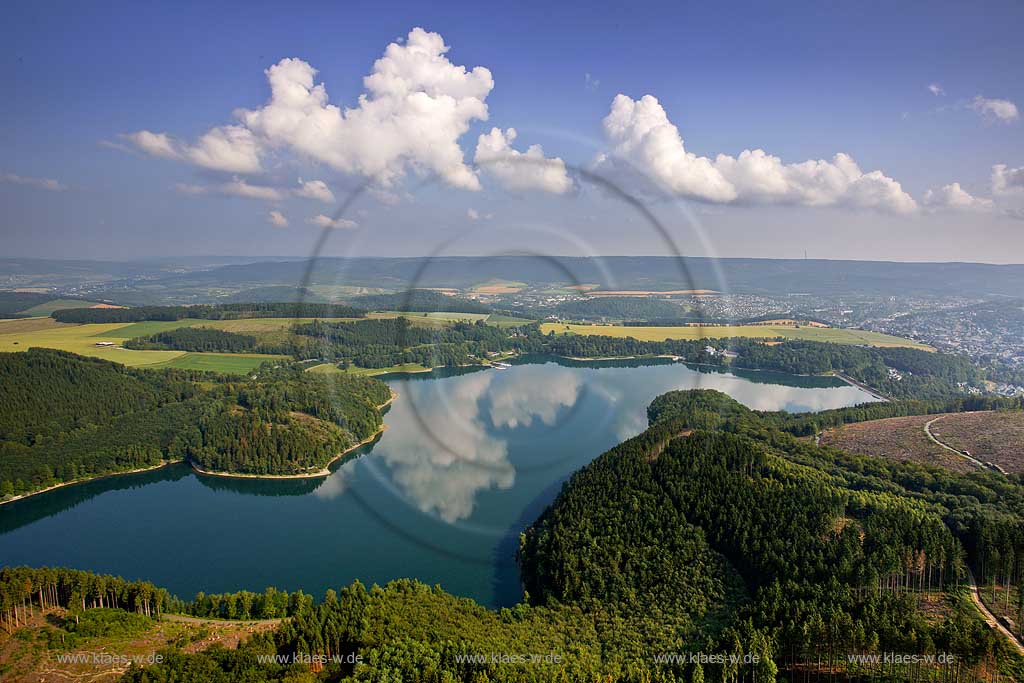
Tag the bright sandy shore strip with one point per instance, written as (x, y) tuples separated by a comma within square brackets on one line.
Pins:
[(165, 463), (323, 472)]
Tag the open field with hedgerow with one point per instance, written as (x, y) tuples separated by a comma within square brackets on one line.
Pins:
[(760, 331), (332, 369), (20, 334), (23, 334)]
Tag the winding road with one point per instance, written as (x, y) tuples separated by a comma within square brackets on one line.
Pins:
[(990, 618), (963, 454)]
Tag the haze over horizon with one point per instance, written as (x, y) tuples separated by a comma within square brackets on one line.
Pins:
[(844, 135)]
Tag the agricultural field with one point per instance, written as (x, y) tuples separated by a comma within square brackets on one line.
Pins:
[(822, 334), (332, 369), (371, 372), (996, 437), (499, 287), (436, 319), (506, 320), (80, 339), (60, 304), (227, 363), (22, 325), (148, 327), (325, 369), (899, 438), (447, 317), (24, 333)]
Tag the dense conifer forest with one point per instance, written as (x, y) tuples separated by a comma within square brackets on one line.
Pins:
[(620, 308), (419, 300), (717, 530), (195, 339), (64, 417), (227, 311)]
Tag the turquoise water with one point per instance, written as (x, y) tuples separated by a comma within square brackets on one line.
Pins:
[(468, 460)]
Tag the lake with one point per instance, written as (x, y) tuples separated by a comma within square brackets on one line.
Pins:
[(469, 458)]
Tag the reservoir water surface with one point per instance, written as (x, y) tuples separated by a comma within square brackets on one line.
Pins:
[(468, 460)]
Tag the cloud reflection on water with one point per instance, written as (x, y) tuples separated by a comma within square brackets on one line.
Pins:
[(447, 441)]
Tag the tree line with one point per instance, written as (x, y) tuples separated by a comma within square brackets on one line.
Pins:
[(202, 339), (419, 300), (226, 311)]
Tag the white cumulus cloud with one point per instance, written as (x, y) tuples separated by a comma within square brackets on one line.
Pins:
[(1006, 180), (643, 139), (936, 89), (41, 183), (417, 106), (315, 189), (233, 149), (240, 188), (277, 219), (237, 187), (1002, 110), (520, 171), (322, 221), (953, 196), (475, 215)]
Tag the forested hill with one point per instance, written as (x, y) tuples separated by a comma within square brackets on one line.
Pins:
[(64, 417), (837, 552), (230, 311), (714, 531), (746, 275), (422, 300), (620, 307)]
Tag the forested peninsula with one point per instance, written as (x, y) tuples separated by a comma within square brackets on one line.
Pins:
[(67, 418)]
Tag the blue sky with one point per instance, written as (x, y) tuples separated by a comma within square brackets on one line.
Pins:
[(796, 80)]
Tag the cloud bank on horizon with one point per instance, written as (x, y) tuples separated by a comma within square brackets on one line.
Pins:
[(418, 106)]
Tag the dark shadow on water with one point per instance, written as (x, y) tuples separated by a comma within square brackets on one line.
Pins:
[(755, 376), (508, 588), (34, 508), (261, 487), (280, 487), (436, 373)]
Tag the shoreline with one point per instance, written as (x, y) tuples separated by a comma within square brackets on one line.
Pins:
[(325, 471), (874, 393), (140, 470), (167, 463)]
